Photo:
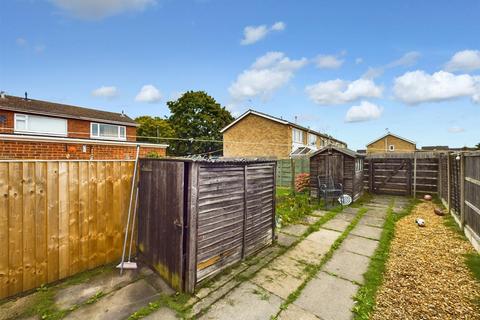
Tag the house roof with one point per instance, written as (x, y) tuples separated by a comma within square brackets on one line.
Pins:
[(279, 120), (345, 151), (62, 110), (393, 135)]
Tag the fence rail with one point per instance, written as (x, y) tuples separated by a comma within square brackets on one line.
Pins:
[(58, 218)]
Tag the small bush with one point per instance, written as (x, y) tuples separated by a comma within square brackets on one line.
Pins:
[(302, 182), (152, 155)]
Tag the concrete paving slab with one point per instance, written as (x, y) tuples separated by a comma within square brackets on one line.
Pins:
[(285, 240), (308, 251), (372, 221), (348, 265), (277, 281), (336, 224), (359, 245), (381, 214), (14, 308), (310, 219), (294, 229), (345, 216), (296, 313), (324, 236), (350, 210), (319, 213), (328, 297), (119, 304), (288, 265), (367, 232), (162, 314), (104, 282), (248, 301)]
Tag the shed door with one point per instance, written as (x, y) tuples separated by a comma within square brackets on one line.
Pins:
[(160, 215), (334, 167)]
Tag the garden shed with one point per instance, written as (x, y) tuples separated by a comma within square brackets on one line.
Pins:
[(197, 217), (342, 165)]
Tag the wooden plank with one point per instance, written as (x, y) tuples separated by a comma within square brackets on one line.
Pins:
[(63, 221), (83, 214), (92, 214), (101, 221), (41, 241), (116, 214), (109, 212), (4, 254), (29, 264), (52, 221), (74, 219), (15, 247)]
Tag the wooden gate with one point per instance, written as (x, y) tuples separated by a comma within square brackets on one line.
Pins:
[(161, 218), (390, 176)]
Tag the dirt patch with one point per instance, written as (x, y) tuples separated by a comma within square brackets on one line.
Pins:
[(426, 276)]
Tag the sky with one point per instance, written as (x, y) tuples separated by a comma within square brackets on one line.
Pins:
[(352, 69)]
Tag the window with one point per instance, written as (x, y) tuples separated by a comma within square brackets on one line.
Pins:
[(358, 165), (107, 131), (312, 139), (297, 136), (26, 123), (391, 147)]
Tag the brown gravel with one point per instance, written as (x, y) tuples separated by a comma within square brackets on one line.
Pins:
[(426, 276)]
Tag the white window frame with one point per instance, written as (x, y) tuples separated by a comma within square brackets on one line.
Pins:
[(26, 118), (358, 165), (300, 135), (98, 136), (310, 142), (391, 148)]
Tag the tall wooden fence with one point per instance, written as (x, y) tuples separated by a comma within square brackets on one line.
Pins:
[(287, 169), (460, 191), (58, 218), (401, 173)]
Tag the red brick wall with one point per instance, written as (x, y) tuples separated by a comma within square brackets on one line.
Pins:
[(76, 128), (61, 151)]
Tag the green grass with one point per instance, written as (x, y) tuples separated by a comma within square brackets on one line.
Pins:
[(472, 260), (291, 208), (373, 278), (176, 302)]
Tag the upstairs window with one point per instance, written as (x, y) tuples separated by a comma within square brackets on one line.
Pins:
[(107, 131), (297, 135), (391, 148), (312, 139), (27, 123)]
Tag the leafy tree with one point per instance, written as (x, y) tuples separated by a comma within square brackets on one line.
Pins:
[(197, 115), (154, 127), (478, 146)]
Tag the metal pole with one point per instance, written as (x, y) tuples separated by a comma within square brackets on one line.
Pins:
[(129, 210)]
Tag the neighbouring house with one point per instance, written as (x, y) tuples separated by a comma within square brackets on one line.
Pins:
[(256, 134), (391, 143), (34, 129)]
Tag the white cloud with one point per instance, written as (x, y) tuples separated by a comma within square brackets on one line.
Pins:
[(105, 92), (328, 62), (341, 91), (418, 86), (456, 129), (98, 9), (267, 74), (407, 60), (358, 61), (149, 94), (466, 60), (252, 34), (476, 98), (364, 112), (21, 42)]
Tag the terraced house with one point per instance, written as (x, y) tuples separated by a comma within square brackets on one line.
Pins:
[(256, 134), (35, 129)]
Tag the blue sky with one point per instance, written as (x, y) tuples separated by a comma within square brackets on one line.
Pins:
[(350, 68)]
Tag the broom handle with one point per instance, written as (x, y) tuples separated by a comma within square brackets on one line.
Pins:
[(129, 210)]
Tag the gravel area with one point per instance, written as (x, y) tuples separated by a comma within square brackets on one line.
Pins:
[(426, 276)]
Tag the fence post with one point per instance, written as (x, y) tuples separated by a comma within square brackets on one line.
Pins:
[(448, 182), (415, 174), (292, 170), (462, 190), (370, 176)]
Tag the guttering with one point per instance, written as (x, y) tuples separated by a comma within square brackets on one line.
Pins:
[(26, 138)]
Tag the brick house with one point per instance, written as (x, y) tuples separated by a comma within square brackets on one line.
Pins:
[(391, 143), (256, 134), (34, 129)]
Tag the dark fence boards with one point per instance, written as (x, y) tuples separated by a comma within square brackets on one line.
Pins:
[(225, 212), (403, 174), (459, 189)]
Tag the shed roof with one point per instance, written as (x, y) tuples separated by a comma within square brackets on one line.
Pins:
[(63, 111), (279, 120), (345, 151), (393, 135)]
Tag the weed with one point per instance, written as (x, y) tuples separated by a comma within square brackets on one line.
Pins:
[(97, 296), (472, 260), (262, 294)]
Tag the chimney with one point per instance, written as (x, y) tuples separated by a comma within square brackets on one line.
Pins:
[(2, 94), (123, 113), (26, 96), (296, 118)]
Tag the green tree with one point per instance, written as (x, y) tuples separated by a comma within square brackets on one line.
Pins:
[(197, 115), (152, 127), (478, 146)]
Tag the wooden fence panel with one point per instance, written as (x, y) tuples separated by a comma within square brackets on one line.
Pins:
[(58, 218), (472, 193), (287, 169)]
